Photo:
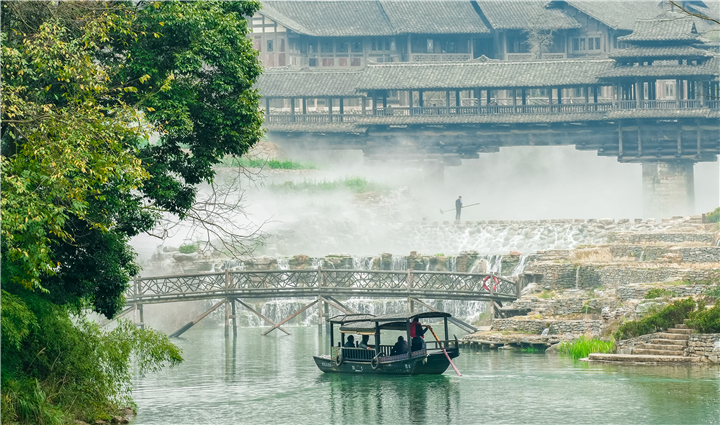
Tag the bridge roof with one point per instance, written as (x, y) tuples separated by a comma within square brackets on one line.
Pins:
[(708, 69), (616, 14), (665, 27), (294, 82), (463, 75), (521, 15), (660, 52), (434, 17)]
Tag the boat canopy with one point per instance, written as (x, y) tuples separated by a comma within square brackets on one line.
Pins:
[(367, 323)]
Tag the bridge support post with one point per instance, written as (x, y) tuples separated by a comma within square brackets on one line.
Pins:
[(668, 188), (142, 316), (233, 316), (320, 314)]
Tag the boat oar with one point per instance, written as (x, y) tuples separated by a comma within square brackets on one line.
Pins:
[(443, 350), (465, 206)]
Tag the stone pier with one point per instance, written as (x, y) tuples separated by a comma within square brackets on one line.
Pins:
[(668, 189)]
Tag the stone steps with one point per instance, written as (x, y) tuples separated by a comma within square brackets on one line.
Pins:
[(662, 341), (680, 331), (683, 326), (667, 347), (646, 351), (674, 336), (642, 358)]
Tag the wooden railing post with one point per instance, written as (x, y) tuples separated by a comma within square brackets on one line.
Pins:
[(227, 304), (409, 283), (320, 302)]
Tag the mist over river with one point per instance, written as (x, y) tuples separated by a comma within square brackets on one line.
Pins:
[(273, 379)]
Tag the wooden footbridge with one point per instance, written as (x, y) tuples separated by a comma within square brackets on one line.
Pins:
[(324, 285)]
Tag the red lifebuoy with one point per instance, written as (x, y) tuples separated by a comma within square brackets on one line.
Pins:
[(495, 286)]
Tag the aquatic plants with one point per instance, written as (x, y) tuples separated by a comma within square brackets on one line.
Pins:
[(273, 164), (582, 347), (669, 316)]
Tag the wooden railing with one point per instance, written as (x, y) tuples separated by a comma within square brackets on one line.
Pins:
[(491, 109), (304, 283)]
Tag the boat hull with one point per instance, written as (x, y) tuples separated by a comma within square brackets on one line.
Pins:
[(432, 364)]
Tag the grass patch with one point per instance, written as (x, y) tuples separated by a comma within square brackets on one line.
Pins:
[(582, 347), (713, 217), (273, 164), (187, 248), (659, 293), (352, 184), (669, 316), (547, 294)]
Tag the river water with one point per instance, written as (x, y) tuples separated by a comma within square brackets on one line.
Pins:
[(273, 379)]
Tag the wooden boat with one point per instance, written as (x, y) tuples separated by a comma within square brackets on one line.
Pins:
[(380, 359)]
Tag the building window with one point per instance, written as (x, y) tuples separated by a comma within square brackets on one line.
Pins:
[(281, 59), (355, 62), (312, 48), (282, 44), (328, 62), (342, 61), (356, 47), (576, 44), (326, 47), (597, 43), (269, 45), (430, 47), (582, 44), (591, 43), (312, 62), (342, 47), (257, 44)]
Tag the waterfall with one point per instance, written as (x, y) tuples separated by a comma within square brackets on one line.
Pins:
[(451, 264), (283, 263), (520, 266), (642, 254), (399, 263), (362, 263), (235, 265), (577, 278), (317, 263)]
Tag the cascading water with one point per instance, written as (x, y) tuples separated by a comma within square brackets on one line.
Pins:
[(316, 263), (362, 263), (283, 263), (451, 264), (520, 266), (399, 263)]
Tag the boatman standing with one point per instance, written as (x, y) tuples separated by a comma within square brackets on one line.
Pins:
[(458, 207)]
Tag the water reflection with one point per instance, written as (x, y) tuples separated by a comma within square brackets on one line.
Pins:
[(274, 379)]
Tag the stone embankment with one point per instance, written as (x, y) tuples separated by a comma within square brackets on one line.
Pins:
[(589, 290)]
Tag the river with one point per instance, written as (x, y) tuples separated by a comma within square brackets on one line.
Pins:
[(273, 379)]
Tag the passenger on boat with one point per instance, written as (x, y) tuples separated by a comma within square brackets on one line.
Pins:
[(350, 342), (364, 342), (417, 333), (400, 347)]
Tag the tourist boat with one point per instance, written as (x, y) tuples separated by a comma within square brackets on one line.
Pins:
[(378, 358)]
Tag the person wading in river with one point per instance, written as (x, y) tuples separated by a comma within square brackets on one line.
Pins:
[(458, 208)]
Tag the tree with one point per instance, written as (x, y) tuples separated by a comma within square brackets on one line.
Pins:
[(84, 87)]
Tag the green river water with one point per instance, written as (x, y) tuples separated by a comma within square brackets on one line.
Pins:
[(274, 380)]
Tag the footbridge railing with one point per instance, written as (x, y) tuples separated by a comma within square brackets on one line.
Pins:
[(329, 282)]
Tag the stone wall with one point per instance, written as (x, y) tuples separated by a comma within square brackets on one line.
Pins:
[(556, 327), (635, 238), (704, 346), (565, 306), (638, 292), (568, 275), (659, 253)]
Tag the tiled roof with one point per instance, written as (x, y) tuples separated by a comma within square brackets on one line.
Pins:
[(330, 18), (441, 76), (709, 69), (660, 52), (617, 14), (524, 14), (287, 82), (433, 17), (666, 27)]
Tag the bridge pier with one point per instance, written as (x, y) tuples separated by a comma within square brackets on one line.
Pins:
[(668, 189), (320, 314), (233, 316)]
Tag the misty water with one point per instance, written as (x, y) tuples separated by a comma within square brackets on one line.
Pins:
[(273, 379)]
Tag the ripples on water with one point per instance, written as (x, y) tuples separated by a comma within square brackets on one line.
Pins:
[(274, 380)]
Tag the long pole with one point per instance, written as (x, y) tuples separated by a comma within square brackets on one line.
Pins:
[(443, 350), (464, 206)]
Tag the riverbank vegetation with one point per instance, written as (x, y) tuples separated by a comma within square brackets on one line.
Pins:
[(352, 184), (272, 164), (668, 317), (582, 347), (705, 320), (85, 86)]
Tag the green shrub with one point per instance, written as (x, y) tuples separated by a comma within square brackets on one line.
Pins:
[(713, 217), (659, 293), (706, 320), (669, 316), (713, 292), (187, 248), (582, 347)]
